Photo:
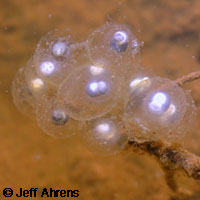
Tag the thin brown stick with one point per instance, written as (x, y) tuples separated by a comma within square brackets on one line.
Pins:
[(171, 157), (188, 78)]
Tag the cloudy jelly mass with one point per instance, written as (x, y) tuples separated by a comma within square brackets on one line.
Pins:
[(100, 86)]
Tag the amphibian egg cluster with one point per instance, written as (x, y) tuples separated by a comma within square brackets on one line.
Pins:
[(98, 90)]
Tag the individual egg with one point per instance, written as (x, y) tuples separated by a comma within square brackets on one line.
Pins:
[(48, 69), (22, 96), (117, 44), (139, 83), (54, 56), (38, 85), (89, 92), (56, 43), (106, 135), (81, 58), (160, 112), (136, 87), (53, 119)]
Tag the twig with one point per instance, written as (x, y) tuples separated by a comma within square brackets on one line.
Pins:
[(188, 78), (171, 157)]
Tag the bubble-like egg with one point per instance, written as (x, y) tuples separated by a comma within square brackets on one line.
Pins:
[(106, 135), (54, 56), (56, 43), (54, 121), (117, 44), (49, 69), (22, 96), (89, 92), (137, 85), (161, 111), (38, 85)]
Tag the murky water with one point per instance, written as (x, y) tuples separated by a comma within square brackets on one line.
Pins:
[(170, 31)]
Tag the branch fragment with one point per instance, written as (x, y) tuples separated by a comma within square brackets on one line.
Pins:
[(188, 78)]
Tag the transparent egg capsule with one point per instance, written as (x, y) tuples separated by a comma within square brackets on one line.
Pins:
[(89, 92), (49, 69), (38, 86), (54, 56), (53, 119), (117, 44), (56, 43), (106, 135), (165, 111), (138, 84), (22, 96)]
